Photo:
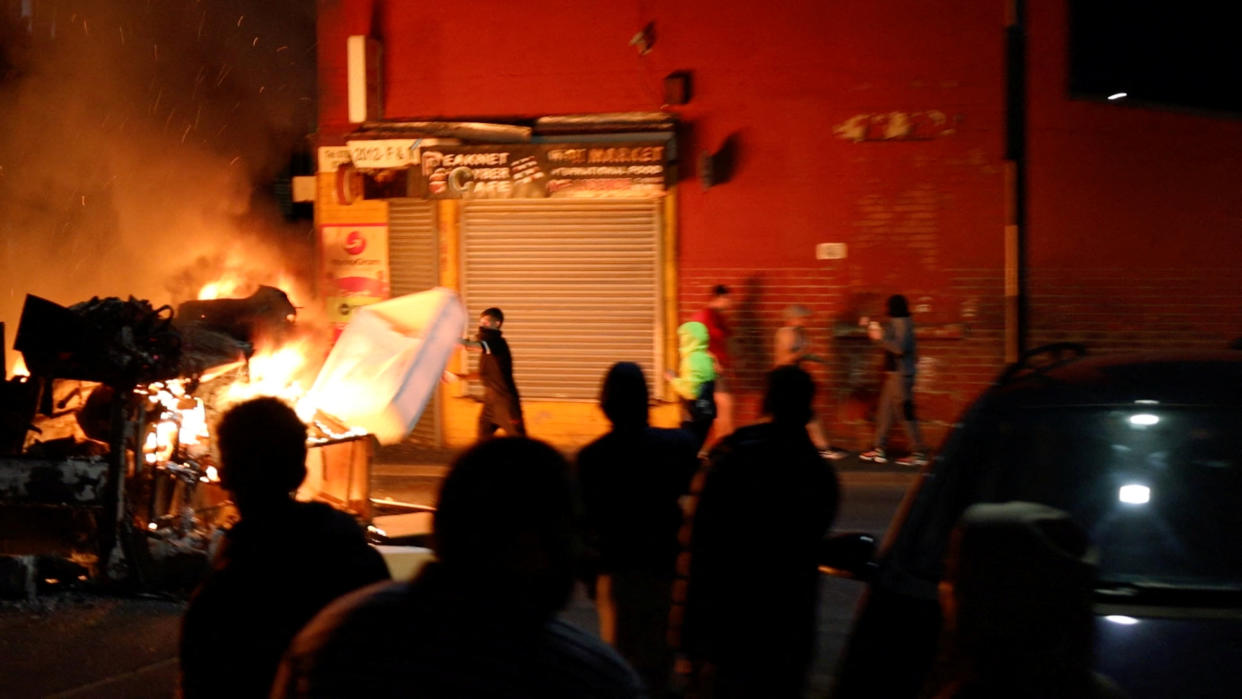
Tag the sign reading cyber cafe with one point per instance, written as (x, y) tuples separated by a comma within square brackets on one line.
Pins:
[(523, 171)]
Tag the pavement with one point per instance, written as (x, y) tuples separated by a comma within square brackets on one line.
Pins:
[(77, 643), (407, 470)]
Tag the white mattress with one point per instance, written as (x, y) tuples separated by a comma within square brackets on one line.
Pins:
[(388, 361)]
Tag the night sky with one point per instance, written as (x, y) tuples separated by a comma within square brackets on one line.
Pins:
[(1183, 55), (139, 141)]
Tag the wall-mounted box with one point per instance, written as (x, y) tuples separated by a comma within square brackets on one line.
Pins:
[(830, 251)]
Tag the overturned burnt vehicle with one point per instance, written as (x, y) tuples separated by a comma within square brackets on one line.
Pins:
[(107, 468)]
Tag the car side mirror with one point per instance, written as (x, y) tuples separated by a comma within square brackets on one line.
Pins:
[(410, 528), (848, 555)]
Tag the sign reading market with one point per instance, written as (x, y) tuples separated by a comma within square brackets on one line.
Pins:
[(524, 171)]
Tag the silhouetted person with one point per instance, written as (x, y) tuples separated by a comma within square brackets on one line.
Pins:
[(792, 347), (276, 568), (481, 620), (502, 405), (714, 317), (767, 501), (1017, 601), (896, 337), (695, 381), (631, 480)]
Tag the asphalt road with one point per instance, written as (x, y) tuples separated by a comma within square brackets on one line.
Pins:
[(867, 505), (84, 645)]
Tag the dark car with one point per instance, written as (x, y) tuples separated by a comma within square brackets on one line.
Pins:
[(1145, 454)]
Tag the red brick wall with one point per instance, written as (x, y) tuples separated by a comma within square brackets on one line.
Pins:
[(874, 124), (871, 124), (959, 330), (338, 20), (1136, 215), (1140, 307)]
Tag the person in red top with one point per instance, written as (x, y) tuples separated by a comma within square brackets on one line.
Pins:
[(718, 334)]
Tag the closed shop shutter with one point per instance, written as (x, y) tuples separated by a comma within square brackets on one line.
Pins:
[(579, 282), (414, 265), (413, 256)]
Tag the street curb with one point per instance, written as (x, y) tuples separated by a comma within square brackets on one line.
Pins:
[(847, 476), (877, 478), (424, 470)]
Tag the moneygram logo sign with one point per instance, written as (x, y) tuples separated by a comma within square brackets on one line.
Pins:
[(355, 243)]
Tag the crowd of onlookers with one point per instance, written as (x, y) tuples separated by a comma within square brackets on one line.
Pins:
[(703, 564), (298, 604)]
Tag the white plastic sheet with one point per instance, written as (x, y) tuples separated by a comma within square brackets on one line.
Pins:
[(388, 361)]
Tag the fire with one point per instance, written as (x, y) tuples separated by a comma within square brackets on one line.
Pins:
[(276, 372), (178, 434), (230, 285), (180, 431), (19, 367), (236, 284), (180, 427)]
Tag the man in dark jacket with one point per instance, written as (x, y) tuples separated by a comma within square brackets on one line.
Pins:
[(502, 406), (277, 567), (767, 501), (632, 479)]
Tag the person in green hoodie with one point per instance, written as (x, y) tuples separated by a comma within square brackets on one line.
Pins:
[(695, 381)]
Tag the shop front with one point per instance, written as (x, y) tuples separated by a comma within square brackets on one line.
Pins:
[(573, 237)]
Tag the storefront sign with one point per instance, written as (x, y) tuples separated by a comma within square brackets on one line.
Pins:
[(541, 171), (332, 157), (355, 267), (393, 152)]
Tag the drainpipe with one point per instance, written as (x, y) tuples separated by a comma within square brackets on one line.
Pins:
[(1016, 312)]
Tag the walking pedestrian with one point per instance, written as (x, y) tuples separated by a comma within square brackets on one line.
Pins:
[(714, 316), (631, 481), (502, 405), (695, 381), (792, 348), (896, 338), (766, 503)]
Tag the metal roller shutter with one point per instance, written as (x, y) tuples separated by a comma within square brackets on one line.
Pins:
[(413, 266), (579, 282), (413, 256)]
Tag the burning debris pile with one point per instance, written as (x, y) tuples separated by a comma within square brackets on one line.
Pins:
[(105, 452), (106, 457)]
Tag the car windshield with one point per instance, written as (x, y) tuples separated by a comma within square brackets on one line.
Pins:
[(1158, 489)]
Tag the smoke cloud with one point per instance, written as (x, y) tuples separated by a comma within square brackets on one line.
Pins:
[(136, 142)]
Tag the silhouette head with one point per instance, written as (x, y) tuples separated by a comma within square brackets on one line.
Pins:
[(1018, 584), (504, 525), (262, 445), (720, 297), (787, 396), (898, 307), (796, 314), (624, 395), (492, 318)]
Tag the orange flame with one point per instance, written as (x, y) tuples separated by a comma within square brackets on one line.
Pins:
[(273, 371), (276, 372), (182, 421), (240, 285)]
